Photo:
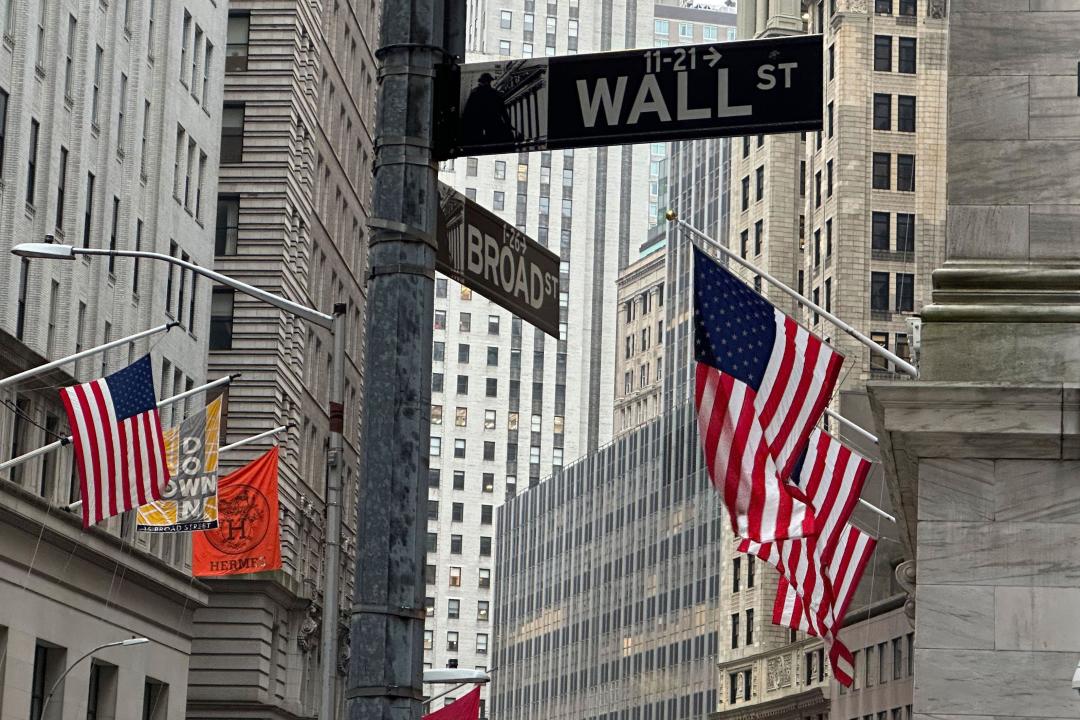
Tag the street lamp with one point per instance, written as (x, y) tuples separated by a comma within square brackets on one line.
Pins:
[(116, 643), (335, 323)]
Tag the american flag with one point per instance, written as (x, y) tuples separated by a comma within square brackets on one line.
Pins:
[(762, 383), (822, 613), (119, 447), (829, 476)]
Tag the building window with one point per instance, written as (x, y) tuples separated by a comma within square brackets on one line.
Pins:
[(464, 322), (486, 513), (832, 62), (453, 606), (489, 446), (232, 133), (488, 482), (735, 630), (485, 546), (907, 55), (759, 232), (883, 7), (744, 243), (661, 27), (429, 634), (879, 231), (504, 48), (31, 162), (829, 178), (37, 681), (828, 238), (907, 7), (459, 478), (506, 19), (905, 232), (817, 189), (491, 387), (750, 627), (228, 225), (883, 53), (484, 578), (905, 173), (440, 320), (459, 448), (905, 292), (736, 564), (436, 382), (879, 292), (817, 248), (905, 113), (61, 188), (828, 294), (452, 640), (436, 414), (482, 610), (882, 111), (462, 384), (882, 171), (430, 574), (832, 119), (746, 193), (759, 183), (112, 243), (89, 214), (455, 547), (455, 576), (121, 108), (69, 76), (749, 571), (435, 447)]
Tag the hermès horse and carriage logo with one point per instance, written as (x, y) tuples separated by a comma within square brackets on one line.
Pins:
[(243, 520)]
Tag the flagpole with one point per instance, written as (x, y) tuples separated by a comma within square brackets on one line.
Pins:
[(901, 364), (858, 430), (161, 403), (255, 438), (83, 354)]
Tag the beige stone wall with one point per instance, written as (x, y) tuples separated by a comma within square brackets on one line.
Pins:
[(640, 342)]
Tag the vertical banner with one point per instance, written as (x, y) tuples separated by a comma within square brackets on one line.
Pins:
[(248, 536), (190, 500)]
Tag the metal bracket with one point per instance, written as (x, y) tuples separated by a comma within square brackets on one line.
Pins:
[(385, 691), (403, 269), (408, 231), (402, 612)]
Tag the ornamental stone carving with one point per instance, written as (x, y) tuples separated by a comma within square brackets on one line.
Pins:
[(854, 6), (307, 635), (905, 576), (936, 9), (778, 672)]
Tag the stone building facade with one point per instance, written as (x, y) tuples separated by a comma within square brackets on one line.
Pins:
[(292, 219), (639, 352), (981, 452), (110, 117)]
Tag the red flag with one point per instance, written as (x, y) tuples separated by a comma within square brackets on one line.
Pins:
[(248, 536), (466, 707)]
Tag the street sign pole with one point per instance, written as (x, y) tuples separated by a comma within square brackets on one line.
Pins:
[(387, 621)]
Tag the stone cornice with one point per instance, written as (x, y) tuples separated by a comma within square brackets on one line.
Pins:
[(811, 702)]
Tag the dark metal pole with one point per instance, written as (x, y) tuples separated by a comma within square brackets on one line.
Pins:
[(387, 624)]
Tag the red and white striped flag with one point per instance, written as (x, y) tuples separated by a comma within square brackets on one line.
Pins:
[(830, 477), (762, 383), (119, 447), (821, 615)]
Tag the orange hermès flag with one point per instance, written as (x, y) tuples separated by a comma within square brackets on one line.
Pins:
[(248, 536), (467, 707)]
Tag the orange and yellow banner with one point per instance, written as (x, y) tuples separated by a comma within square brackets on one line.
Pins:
[(189, 502), (248, 536)]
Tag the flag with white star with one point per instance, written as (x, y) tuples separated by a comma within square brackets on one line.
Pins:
[(763, 382)]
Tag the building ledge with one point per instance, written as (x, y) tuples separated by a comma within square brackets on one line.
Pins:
[(808, 703)]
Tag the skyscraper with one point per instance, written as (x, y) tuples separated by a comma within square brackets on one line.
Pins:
[(109, 121), (296, 150), (510, 404)]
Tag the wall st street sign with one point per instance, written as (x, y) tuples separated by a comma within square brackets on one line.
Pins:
[(653, 95), (480, 250)]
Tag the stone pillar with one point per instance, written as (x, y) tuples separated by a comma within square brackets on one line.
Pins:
[(982, 455), (746, 19)]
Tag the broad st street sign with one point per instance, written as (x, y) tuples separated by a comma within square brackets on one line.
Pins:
[(633, 96), (481, 251)]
